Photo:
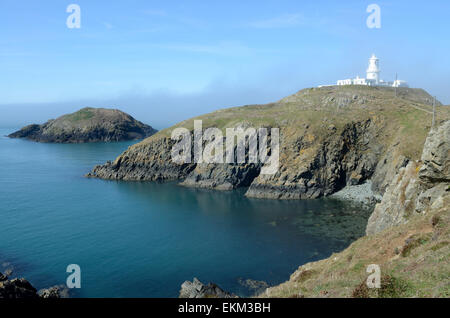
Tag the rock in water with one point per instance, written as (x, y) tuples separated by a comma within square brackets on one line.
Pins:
[(54, 292), (16, 288), (255, 286), (3, 277), (87, 125), (196, 289), (21, 288)]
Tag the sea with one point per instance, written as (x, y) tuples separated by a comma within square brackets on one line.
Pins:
[(144, 239)]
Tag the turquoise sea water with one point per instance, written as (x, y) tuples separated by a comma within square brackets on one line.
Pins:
[(145, 239)]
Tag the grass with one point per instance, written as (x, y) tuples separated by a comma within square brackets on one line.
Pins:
[(390, 287), (82, 114), (304, 276), (414, 242), (439, 246)]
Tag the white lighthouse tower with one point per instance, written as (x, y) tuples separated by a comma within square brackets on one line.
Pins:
[(373, 71), (372, 77)]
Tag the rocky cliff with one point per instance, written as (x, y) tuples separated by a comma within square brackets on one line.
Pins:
[(330, 137), (87, 125), (419, 186)]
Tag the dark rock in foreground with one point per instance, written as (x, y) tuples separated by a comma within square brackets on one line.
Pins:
[(21, 288), (87, 125), (196, 289), (54, 292), (16, 288)]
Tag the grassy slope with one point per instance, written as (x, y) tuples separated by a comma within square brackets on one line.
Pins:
[(320, 107)]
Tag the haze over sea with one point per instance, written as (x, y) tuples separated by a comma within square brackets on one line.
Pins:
[(136, 239)]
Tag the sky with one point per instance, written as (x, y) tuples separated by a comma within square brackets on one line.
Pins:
[(166, 61)]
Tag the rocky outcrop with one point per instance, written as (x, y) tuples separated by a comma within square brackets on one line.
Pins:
[(309, 167), (54, 292), (16, 288), (21, 288), (254, 286), (196, 289), (87, 125), (419, 186), (151, 162), (436, 156)]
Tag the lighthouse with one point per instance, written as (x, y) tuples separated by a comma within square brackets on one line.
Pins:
[(373, 71), (372, 77)]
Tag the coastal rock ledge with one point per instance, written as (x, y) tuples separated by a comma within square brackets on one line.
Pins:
[(87, 125)]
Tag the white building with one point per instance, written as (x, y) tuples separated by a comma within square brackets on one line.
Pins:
[(372, 77)]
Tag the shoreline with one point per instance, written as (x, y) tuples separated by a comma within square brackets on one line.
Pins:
[(360, 194)]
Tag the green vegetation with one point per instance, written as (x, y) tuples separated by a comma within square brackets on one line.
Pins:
[(414, 242), (439, 245), (390, 287), (82, 114)]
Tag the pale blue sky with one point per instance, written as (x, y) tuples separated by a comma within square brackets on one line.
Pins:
[(164, 61)]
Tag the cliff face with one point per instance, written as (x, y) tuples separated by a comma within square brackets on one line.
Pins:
[(418, 186), (87, 125), (329, 137), (310, 168)]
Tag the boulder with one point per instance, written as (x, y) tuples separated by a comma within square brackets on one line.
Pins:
[(196, 289)]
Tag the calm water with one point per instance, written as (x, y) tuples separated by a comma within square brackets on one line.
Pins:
[(144, 239)]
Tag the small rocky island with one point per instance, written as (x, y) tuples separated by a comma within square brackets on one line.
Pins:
[(87, 125)]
